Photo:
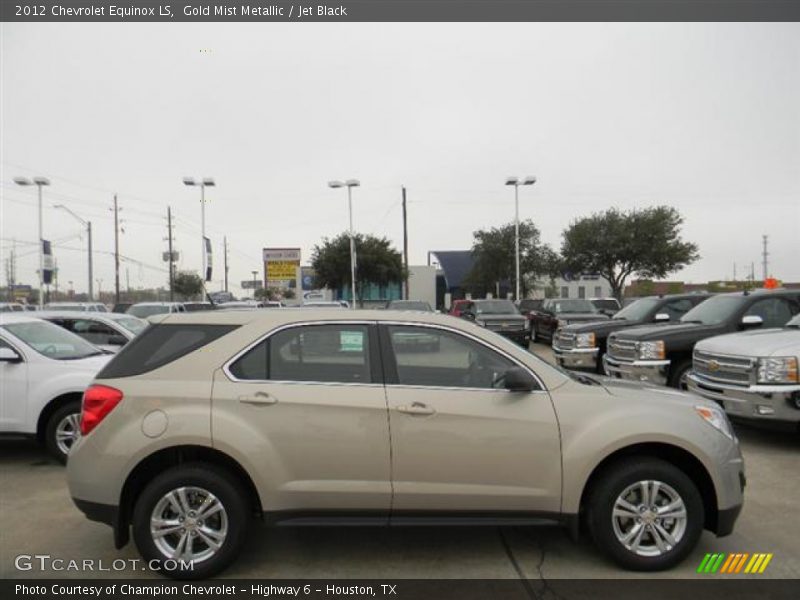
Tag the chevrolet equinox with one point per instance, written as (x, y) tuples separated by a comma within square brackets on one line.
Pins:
[(208, 420)]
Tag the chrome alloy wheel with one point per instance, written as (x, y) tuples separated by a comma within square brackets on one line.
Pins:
[(649, 518), (68, 431), (189, 523)]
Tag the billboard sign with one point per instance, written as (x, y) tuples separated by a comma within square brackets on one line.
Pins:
[(282, 267)]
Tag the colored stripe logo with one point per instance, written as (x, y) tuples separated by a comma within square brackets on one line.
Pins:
[(735, 563)]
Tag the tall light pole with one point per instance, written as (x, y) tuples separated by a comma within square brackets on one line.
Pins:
[(516, 183), (39, 182), (350, 184), (88, 225), (203, 183)]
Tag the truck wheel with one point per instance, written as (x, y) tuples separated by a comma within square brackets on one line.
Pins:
[(191, 521), (63, 430), (646, 514), (677, 377)]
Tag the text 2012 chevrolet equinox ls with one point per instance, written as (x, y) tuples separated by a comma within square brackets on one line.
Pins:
[(207, 420)]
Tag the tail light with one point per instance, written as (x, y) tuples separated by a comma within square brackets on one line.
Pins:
[(98, 401)]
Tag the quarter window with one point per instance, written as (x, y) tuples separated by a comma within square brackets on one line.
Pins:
[(775, 312), (435, 358)]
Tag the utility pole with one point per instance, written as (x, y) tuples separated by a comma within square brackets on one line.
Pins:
[(91, 275), (171, 256), (116, 250), (128, 282), (405, 246), (225, 255), (764, 256)]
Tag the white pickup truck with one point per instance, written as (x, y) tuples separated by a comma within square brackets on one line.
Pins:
[(753, 375), (44, 370)]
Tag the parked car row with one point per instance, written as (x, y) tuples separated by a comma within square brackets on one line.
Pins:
[(739, 349)]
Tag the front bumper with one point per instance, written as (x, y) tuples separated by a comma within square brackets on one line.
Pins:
[(576, 358), (651, 371), (777, 403), (520, 336)]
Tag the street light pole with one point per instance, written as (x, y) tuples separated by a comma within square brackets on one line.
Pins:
[(516, 183), (349, 184), (203, 183), (39, 182), (88, 225)]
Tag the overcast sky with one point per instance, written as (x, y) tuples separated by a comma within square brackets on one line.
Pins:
[(703, 117)]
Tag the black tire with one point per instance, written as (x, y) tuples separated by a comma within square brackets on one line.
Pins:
[(68, 416), (228, 491), (603, 497), (679, 372)]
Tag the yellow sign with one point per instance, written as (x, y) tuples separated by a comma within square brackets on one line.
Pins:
[(282, 269)]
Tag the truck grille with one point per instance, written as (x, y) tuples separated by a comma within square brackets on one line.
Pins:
[(564, 340), (731, 370), (621, 349), (505, 325)]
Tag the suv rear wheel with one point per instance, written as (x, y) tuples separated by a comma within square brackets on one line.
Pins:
[(191, 520), (646, 514)]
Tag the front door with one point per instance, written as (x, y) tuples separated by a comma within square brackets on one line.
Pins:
[(13, 393), (311, 401), (460, 440)]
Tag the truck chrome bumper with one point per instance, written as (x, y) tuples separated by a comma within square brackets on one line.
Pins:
[(576, 358), (757, 402), (650, 371)]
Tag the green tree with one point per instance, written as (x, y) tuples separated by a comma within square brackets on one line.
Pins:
[(618, 244), (493, 253), (376, 262), (187, 284)]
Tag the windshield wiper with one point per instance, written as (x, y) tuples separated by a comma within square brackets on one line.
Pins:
[(694, 321), (580, 377), (98, 353)]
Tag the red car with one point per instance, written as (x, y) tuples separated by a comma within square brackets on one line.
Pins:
[(457, 307)]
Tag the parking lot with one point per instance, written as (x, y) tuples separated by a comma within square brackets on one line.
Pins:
[(38, 518)]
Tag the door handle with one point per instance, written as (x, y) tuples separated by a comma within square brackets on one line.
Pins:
[(416, 408), (258, 399)]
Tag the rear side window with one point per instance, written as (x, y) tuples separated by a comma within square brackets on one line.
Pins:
[(159, 345)]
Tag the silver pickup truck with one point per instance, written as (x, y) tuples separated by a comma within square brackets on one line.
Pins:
[(754, 375)]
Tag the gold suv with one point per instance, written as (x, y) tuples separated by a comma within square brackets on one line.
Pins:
[(208, 420)]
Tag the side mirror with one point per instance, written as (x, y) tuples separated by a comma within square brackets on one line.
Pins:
[(661, 318), (9, 355), (468, 315), (749, 321), (517, 379), (117, 340)]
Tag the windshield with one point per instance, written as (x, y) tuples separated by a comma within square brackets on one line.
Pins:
[(410, 305), (573, 306), (638, 310), (52, 341), (714, 310), (147, 310), (606, 304), (70, 307), (528, 305), (495, 307), (132, 324)]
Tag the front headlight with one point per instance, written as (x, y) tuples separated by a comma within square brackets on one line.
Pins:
[(716, 418), (585, 340), (780, 369), (651, 350)]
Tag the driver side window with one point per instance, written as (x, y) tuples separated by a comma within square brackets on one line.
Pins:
[(436, 358)]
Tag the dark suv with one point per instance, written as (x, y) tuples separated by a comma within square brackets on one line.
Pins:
[(662, 354), (581, 346)]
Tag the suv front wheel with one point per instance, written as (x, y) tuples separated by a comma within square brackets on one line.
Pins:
[(646, 514), (190, 521)]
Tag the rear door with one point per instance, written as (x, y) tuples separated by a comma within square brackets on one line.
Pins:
[(460, 441), (309, 404)]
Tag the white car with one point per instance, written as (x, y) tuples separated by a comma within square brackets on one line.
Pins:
[(44, 370), (148, 309), (107, 331), (77, 306)]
